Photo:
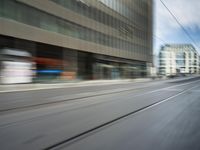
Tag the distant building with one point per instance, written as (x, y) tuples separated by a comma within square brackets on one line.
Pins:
[(176, 59), (80, 39)]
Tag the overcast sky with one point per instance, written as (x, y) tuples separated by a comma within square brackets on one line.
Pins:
[(166, 28)]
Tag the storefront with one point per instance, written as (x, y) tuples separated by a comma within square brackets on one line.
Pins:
[(48, 63), (106, 67), (56, 64)]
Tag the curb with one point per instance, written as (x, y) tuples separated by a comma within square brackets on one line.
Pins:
[(33, 87)]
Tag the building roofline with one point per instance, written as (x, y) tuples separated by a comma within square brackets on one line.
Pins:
[(179, 45)]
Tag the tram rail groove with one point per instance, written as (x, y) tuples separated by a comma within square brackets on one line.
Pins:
[(93, 130), (40, 105)]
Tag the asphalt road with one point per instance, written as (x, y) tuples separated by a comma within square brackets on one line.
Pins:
[(158, 115)]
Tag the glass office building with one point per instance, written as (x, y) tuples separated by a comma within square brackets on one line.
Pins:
[(80, 39)]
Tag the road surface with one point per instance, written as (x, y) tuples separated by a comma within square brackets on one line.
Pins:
[(159, 115)]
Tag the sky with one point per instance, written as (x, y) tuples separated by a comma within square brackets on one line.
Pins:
[(167, 30)]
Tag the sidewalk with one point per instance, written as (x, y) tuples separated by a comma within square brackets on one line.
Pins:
[(40, 86)]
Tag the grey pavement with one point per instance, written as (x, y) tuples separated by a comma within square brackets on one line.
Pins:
[(173, 125), (64, 92), (78, 83), (43, 127), (15, 100)]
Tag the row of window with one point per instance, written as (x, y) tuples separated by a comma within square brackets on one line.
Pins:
[(102, 17), (31, 16), (179, 62), (190, 68), (181, 55)]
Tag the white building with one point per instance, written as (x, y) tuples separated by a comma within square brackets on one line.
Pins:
[(175, 59)]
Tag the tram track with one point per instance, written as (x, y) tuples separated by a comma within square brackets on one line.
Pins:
[(100, 127), (96, 94)]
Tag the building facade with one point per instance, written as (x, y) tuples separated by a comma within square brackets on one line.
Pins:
[(178, 59), (80, 39)]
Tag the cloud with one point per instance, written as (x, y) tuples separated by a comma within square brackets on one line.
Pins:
[(186, 11)]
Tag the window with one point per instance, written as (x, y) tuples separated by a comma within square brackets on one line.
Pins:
[(180, 62), (180, 55)]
